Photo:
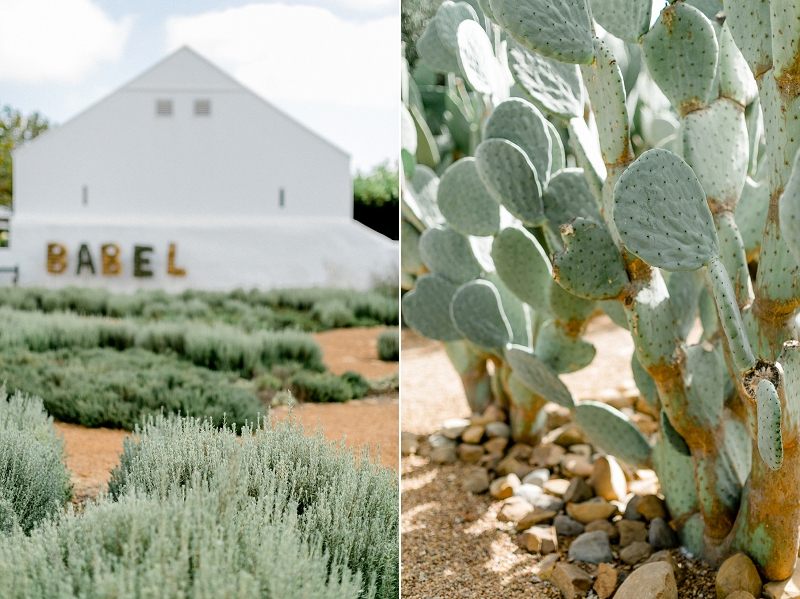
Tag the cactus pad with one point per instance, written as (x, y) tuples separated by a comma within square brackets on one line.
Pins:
[(674, 438), (613, 432), (770, 441), (419, 198), (517, 313), (561, 351), (464, 201), (566, 306), (558, 157), (512, 180), (553, 86), (522, 264), (645, 383), (478, 314), (537, 376), (661, 213), (434, 51), (736, 81), (426, 308), (558, 29), (448, 253), (625, 19), (567, 196), (751, 215), (789, 210), (410, 259), (591, 266), (681, 54), (476, 59), (749, 23)]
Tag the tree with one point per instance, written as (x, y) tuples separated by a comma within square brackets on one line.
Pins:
[(15, 130)]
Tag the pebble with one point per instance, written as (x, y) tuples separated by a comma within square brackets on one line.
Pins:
[(547, 455), (491, 414), (573, 464), (514, 509), (436, 440), (664, 556), (652, 506), (607, 479), (538, 477), (631, 531), (631, 513), (496, 445), (577, 491), (740, 595), (528, 492), (661, 535), (605, 526), (503, 487), (545, 568), (556, 415), (535, 516), (476, 481), (737, 573), (571, 580), (541, 539), (548, 502), (568, 526), (784, 589), (556, 486), (409, 443), (652, 581), (498, 429), (470, 453), (510, 465), (566, 435), (583, 449), (521, 451), (606, 582), (594, 509), (636, 552), (647, 424), (490, 460), (591, 547), (443, 455), (473, 434), (453, 428)]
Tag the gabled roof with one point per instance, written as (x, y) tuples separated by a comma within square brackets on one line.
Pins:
[(184, 70)]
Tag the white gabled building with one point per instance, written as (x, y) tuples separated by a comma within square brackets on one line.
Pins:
[(185, 178)]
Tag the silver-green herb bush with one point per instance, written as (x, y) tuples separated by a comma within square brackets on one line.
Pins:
[(389, 345), (647, 228)]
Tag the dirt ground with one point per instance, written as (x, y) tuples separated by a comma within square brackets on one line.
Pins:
[(374, 421)]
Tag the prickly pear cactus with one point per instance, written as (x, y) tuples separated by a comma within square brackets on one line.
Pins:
[(653, 175)]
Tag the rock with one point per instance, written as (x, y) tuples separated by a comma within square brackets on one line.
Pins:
[(606, 582), (514, 509), (528, 492), (535, 516), (540, 539), (538, 477), (653, 581), (556, 415), (491, 414), (573, 582), (556, 486), (784, 589), (409, 443), (498, 429), (503, 487), (545, 568), (568, 526), (476, 480), (521, 451), (577, 491), (591, 547), (581, 449), (424, 449), (647, 424), (443, 455), (453, 428), (740, 595), (631, 511), (737, 573), (510, 465), (490, 460), (547, 455), (473, 434), (605, 526), (642, 406), (470, 453), (664, 556), (496, 445), (652, 506), (566, 435), (661, 535), (548, 502), (631, 531), (607, 479), (436, 440), (636, 552), (594, 509), (576, 465)]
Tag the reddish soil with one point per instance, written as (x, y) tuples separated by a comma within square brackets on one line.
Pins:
[(373, 421)]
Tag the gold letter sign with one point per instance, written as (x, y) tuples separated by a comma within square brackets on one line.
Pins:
[(56, 258), (171, 268), (110, 255)]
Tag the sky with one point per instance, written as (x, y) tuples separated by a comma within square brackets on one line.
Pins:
[(331, 64)]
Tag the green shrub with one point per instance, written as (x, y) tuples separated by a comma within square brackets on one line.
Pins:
[(333, 314), (389, 345), (34, 483), (104, 387), (323, 387), (359, 386)]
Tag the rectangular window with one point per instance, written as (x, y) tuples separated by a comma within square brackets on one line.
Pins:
[(164, 107), (85, 195), (202, 107), (281, 198)]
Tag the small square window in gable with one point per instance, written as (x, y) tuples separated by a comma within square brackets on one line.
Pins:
[(164, 107), (202, 107)]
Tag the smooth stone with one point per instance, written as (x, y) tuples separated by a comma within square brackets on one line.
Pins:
[(508, 465), (605, 526), (453, 428), (498, 429), (545, 568), (491, 414), (606, 582), (490, 460), (661, 535), (636, 552), (573, 582), (583, 449), (577, 491), (496, 445), (594, 509), (473, 434), (573, 464), (737, 573), (443, 455), (556, 415), (631, 531), (740, 595), (547, 455), (591, 547), (556, 486), (568, 526), (784, 589), (566, 435), (548, 502), (470, 453), (608, 480), (437, 440), (538, 477), (652, 506), (514, 509), (651, 581), (528, 492), (535, 516), (521, 451), (540, 539), (409, 443), (475, 481), (664, 556), (503, 487), (631, 513)]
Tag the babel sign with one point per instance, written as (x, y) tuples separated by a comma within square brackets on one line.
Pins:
[(108, 260)]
